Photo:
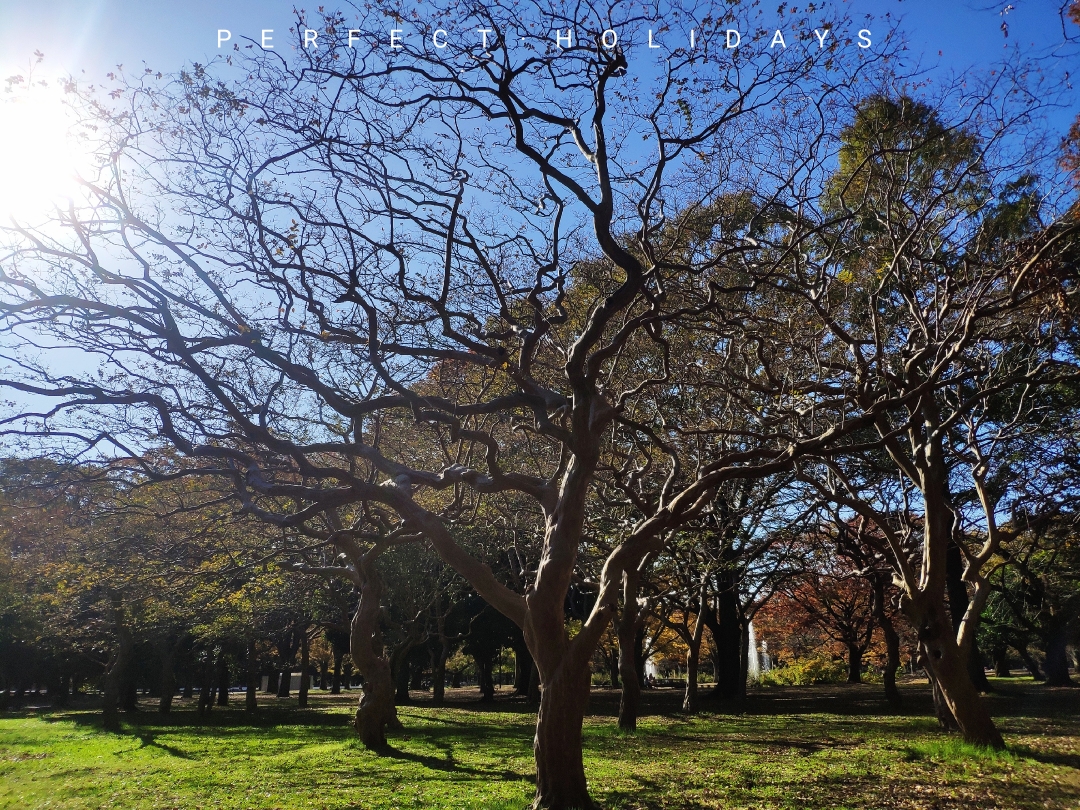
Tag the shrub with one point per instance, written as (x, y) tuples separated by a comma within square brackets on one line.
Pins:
[(806, 671)]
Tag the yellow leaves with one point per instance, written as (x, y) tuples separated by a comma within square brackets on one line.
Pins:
[(845, 276)]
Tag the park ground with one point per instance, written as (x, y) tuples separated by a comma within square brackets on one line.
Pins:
[(790, 747)]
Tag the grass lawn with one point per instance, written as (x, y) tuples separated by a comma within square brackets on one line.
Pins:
[(813, 747)]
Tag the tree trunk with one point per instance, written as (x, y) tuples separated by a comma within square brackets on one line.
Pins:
[(167, 651), (560, 771), (484, 678), (335, 683), (224, 680), (401, 680), (1030, 664), (121, 660), (613, 667), (285, 682), (728, 642), (523, 668), (1057, 659), (438, 672), (376, 712), (60, 697), (630, 699), (206, 690), (272, 682), (251, 698), (854, 667), (958, 605), (324, 672), (1000, 654), (941, 707), (690, 697), (305, 672), (949, 670), (892, 641)]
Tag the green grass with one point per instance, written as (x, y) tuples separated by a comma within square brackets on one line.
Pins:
[(815, 747)]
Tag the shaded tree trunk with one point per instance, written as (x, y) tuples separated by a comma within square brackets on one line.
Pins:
[(439, 656), (121, 660), (729, 642), (613, 667), (335, 683), (627, 631), (693, 655), (485, 680), (560, 771), (1030, 664), (1000, 654), (305, 669), (324, 671), (892, 642), (251, 698), (949, 671), (272, 682), (854, 663), (285, 681), (224, 679), (1057, 659), (167, 652), (206, 689), (376, 712), (958, 605)]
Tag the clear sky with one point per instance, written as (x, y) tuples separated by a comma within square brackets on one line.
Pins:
[(96, 35)]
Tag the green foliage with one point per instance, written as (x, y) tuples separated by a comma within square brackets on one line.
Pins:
[(806, 672)]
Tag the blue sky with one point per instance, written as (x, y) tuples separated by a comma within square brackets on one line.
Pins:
[(96, 35)]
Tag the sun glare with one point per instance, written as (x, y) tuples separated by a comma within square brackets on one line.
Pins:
[(41, 157)]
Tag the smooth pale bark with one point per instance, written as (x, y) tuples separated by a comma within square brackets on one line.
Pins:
[(690, 696)]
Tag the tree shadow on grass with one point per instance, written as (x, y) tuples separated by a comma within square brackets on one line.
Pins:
[(1047, 757), (148, 741), (449, 764)]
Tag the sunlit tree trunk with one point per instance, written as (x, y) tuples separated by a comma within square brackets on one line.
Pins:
[(377, 711)]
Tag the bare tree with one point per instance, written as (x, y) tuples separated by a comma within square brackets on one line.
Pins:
[(377, 285)]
